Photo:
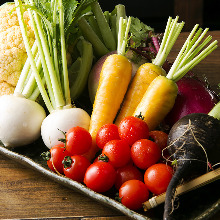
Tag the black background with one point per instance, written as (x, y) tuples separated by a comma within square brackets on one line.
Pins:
[(156, 12)]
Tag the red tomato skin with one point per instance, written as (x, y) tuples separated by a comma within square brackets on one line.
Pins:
[(157, 178), (127, 172), (106, 133), (133, 193), (57, 154), (78, 140), (77, 169), (100, 176), (132, 129), (118, 152), (145, 153), (159, 137)]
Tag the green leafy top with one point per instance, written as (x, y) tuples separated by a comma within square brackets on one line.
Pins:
[(138, 31), (52, 22)]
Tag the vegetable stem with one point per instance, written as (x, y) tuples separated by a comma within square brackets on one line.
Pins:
[(24, 73), (124, 26), (215, 112), (55, 51), (31, 81), (63, 52), (120, 12), (19, 10), (43, 43), (106, 32), (188, 56), (43, 61), (99, 47), (172, 32)]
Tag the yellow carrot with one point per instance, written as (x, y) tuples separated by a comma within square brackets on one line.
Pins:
[(160, 96), (147, 72), (157, 101), (114, 80)]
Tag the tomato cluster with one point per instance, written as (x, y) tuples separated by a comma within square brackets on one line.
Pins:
[(130, 160), (67, 157)]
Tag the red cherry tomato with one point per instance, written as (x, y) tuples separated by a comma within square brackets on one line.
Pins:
[(106, 133), (145, 153), (132, 129), (118, 152), (55, 157), (128, 172), (157, 178), (78, 140), (159, 137), (100, 176), (75, 167), (133, 193)]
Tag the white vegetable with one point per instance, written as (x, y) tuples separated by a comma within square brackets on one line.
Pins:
[(20, 120), (61, 121)]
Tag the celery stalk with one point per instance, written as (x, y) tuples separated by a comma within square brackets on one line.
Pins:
[(106, 32)]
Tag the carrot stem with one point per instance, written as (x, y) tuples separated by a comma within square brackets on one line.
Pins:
[(124, 27), (189, 55), (172, 31)]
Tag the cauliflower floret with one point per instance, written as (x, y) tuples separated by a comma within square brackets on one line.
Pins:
[(12, 50)]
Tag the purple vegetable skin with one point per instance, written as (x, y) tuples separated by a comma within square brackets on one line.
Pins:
[(194, 96)]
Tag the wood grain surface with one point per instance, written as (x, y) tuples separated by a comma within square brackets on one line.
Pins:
[(27, 194)]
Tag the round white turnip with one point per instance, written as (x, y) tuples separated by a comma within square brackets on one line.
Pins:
[(20, 120), (60, 121)]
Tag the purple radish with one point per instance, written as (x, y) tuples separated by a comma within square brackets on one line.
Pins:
[(194, 96)]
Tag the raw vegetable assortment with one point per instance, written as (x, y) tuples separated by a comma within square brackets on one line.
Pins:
[(160, 96), (118, 166), (113, 84), (148, 71), (118, 148)]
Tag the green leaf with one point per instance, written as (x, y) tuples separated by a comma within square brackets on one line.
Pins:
[(138, 31)]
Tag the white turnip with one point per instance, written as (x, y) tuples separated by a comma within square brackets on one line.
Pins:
[(20, 120), (54, 69), (61, 121)]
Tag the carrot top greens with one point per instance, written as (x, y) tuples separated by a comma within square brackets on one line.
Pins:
[(172, 31), (191, 53)]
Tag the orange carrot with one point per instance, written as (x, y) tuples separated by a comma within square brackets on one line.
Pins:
[(114, 80), (147, 72)]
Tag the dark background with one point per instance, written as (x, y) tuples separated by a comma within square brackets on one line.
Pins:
[(155, 12)]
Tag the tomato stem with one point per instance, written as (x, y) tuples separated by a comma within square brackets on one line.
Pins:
[(67, 161), (103, 158)]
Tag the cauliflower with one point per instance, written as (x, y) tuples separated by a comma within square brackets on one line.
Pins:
[(12, 50)]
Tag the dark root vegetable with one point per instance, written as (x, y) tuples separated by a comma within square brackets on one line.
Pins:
[(193, 143)]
